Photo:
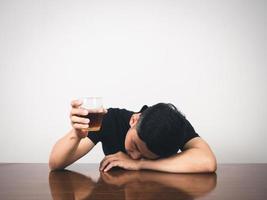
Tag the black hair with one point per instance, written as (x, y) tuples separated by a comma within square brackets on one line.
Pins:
[(161, 127)]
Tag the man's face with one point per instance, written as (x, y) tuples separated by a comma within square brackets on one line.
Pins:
[(134, 146)]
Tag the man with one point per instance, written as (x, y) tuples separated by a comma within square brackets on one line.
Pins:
[(149, 139)]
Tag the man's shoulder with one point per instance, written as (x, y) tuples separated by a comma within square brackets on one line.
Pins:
[(121, 113), (119, 110)]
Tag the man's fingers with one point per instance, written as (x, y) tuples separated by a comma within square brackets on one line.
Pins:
[(101, 163), (111, 164), (107, 157), (76, 103), (115, 155), (106, 162), (80, 126), (81, 120), (79, 111)]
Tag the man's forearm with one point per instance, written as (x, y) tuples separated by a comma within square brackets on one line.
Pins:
[(63, 150), (190, 161)]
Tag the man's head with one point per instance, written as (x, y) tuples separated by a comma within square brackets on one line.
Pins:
[(155, 132)]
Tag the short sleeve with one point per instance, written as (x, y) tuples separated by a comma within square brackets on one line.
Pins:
[(96, 136), (189, 133)]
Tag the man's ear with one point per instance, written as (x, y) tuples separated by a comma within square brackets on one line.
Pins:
[(134, 119)]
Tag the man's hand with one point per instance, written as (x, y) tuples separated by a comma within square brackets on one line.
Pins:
[(78, 119), (119, 159)]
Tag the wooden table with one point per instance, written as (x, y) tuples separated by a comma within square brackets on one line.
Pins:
[(84, 181)]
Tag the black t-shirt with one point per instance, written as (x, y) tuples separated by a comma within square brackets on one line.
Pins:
[(114, 128)]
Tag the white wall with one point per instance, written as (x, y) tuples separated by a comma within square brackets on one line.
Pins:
[(206, 57)]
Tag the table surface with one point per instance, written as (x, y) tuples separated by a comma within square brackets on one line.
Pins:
[(84, 181)]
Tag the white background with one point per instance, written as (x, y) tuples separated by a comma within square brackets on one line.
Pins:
[(206, 57)]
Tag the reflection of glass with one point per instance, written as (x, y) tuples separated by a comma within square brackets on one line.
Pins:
[(131, 185)]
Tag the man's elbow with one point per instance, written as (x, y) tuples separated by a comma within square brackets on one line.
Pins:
[(211, 165), (53, 165)]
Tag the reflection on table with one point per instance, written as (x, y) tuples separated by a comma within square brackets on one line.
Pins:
[(130, 185)]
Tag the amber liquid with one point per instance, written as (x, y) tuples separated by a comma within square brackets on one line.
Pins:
[(95, 121)]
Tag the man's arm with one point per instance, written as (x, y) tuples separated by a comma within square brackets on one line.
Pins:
[(69, 149), (196, 157), (75, 143)]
